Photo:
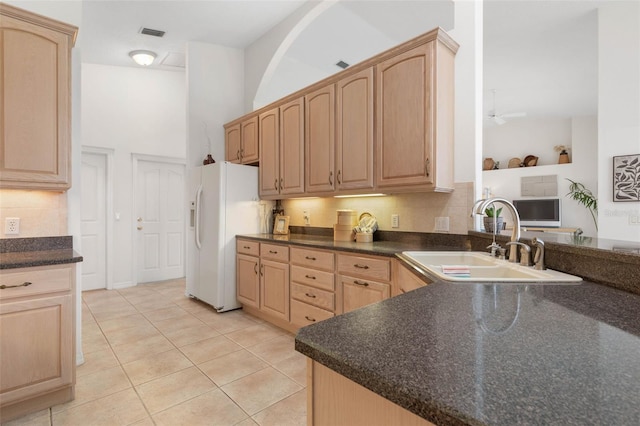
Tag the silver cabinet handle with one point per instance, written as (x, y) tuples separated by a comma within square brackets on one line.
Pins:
[(24, 284)]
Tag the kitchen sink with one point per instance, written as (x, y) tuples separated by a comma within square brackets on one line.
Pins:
[(481, 267)]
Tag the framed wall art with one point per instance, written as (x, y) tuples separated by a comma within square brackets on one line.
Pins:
[(626, 178)]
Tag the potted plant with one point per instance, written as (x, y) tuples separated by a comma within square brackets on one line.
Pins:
[(493, 215), (563, 157), (584, 196)]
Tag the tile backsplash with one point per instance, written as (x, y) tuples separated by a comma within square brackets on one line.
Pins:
[(41, 213), (417, 212)]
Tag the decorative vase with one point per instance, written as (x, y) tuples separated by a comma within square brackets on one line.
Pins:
[(488, 224), (488, 164), (208, 160), (564, 158)]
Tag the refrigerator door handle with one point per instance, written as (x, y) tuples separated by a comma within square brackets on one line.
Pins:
[(198, 196)]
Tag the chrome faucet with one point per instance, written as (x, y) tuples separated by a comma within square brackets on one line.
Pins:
[(481, 205)]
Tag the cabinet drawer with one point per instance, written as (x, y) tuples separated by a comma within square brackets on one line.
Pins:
[(274, 252), (304, 314), (251, 248), (321, 298), (312, 277), (312, 258), (367, 267), (41, 279)]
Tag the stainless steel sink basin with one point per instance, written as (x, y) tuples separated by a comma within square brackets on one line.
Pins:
[(483, 268)]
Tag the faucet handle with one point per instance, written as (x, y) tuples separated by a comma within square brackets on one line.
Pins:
[(494, 248), (525, 252), (538, 259)]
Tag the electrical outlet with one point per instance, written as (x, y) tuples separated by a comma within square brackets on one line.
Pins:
[(442, 224), (307, 217), (12, 226), (634, 219), (395, 221)]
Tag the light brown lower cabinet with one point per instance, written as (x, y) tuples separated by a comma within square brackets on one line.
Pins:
[(274, 288), (292, 287), (332, 399), (248, 280), (359, 292), (37, 348)]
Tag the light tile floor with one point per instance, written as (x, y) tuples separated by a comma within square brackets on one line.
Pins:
[(154, 356)]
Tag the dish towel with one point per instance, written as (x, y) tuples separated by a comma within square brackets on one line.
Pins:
[(461, 271)]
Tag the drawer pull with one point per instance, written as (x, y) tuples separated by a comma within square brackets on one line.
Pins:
[(246, 247), (308, 318), (273, 251), (311, 277), (310, 258), (313, 296), (357, 265), (262, 270), (255, 268), (24, 284), (362, 283)]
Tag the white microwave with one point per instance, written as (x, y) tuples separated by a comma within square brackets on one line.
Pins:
[(543, 212)]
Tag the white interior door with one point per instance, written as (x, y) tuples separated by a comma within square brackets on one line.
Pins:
[(94, 229), (159, 221)]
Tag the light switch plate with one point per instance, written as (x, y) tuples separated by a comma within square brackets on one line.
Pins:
[(442, 224), (395, 221)]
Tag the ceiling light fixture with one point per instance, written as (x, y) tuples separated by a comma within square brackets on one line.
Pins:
[(143, 57)]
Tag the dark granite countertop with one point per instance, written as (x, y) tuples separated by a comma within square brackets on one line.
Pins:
[(483, 354), (387, 247), (37, 251)]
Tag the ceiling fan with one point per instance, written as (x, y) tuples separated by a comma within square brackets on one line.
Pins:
[(500, 119)]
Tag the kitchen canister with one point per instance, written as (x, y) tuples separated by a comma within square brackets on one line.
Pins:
[(346, 217), (343, 232)]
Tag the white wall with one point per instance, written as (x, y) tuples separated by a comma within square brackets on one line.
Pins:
[(506, 182), (131, 110), (215, 93), (467, 31), (520, 137), (618, 111)]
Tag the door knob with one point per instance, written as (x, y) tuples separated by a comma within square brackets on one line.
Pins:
[(139, 219)]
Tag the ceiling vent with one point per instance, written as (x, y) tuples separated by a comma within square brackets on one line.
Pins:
[(152, 32), (342, 64)]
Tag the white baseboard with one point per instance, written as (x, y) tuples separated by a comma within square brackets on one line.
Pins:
[(125, 284)]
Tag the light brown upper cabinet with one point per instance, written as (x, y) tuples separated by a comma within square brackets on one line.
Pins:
[(354, 135), (414, 120), (319, 140), (35, 100), (242, 141), (281, 138), (383, 125)]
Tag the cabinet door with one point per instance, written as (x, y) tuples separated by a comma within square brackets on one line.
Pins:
[(319, 140), (292, 148), (37, 346), (248, 280), (405, 280), (405, 128), (354, 136), (35, 94), (358, 292), (274, 288), (269, 137), (232, 141), (249, 147)]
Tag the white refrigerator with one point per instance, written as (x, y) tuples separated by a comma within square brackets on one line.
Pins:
[(223, 202)]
